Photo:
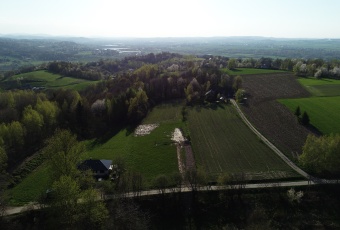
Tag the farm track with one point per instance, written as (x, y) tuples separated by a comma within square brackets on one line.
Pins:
[(181, 166), (268, 143), (189, 158)]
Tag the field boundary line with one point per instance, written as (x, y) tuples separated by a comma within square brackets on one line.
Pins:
[(268, 143)]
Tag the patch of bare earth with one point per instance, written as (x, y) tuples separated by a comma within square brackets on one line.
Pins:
[(271, 118), (180, 141)]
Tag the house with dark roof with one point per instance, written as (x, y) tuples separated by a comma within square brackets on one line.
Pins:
[(100, 168)]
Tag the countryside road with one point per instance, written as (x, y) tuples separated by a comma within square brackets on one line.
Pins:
[(268, 143), (16, 210)]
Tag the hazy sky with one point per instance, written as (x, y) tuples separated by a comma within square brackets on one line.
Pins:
[(175, 18)]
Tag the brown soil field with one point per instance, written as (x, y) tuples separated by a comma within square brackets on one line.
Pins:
[(271, 118)]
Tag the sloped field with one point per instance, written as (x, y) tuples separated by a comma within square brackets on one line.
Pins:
[(271, 118), (45, 79)]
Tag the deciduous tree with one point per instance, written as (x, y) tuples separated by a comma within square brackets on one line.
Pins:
[(63, 151), (321, 154)]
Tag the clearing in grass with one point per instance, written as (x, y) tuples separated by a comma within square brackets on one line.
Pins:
[(222, 143), (323, 111)]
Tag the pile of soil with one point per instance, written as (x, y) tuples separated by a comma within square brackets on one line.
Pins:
[(177, 136), (143, 130)]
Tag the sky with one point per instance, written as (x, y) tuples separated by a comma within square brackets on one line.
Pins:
[(172, 18)]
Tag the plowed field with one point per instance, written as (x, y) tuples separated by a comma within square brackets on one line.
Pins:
[(271, 118)]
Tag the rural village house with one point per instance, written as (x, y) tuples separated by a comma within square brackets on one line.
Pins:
[(100, 168)]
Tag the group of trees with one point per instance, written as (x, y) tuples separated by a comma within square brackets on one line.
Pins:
[(321, 155), (73, 199), (26, 118), (318, 68), (304, 118)]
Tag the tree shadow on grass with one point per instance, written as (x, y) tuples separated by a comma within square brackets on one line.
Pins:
[(130, 129), (105, 137), (314, 130)]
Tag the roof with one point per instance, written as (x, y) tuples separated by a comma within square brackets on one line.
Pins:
[(95, 165)]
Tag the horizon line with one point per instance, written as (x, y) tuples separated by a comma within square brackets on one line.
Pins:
[(161, 37)]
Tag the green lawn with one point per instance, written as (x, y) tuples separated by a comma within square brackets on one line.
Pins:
[(223, 143), (321, 87), (323, 111), (249, 71), (45, 79)]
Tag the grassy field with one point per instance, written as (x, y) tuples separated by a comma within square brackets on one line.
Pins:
[(249, 71), (223, 143), (321, 87), (150, 155), (323, 111), (31, 187), (45, 79)]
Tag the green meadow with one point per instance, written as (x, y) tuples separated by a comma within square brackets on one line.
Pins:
[(45, 79), (249, 71), (323, 107), (321, 87), (323, 111)]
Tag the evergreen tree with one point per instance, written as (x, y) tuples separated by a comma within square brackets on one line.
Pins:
[(305, 119), (297, 112)]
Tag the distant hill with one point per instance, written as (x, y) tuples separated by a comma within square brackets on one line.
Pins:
[(23, 50), (40, 80)]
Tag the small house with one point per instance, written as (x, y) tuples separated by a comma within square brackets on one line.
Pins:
[(100, 168)]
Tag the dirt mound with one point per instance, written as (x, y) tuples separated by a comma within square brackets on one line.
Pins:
[(177, 136), (143, 130)]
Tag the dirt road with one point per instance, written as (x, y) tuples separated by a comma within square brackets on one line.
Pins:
[(268, 143)]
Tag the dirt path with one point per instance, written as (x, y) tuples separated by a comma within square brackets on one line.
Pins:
[(269, 144), (181, 166), (189, 158)]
